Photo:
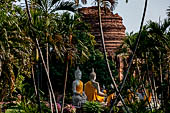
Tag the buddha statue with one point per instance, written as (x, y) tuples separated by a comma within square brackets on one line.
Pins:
[(92, 89), (79, 96)]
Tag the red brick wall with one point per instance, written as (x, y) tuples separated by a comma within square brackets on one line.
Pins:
[(113, 28)]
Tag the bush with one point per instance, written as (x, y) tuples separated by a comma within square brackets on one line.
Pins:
[(92, 107)]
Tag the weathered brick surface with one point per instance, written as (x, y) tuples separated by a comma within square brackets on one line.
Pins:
[(113, 28)]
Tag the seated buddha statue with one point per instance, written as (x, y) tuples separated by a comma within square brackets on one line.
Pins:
[(92, 89), (79, 96)]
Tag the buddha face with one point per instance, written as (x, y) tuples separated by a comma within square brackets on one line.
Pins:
[(93, 76), (78, 76)]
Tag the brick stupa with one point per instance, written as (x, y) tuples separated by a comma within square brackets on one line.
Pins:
[(113, 28)]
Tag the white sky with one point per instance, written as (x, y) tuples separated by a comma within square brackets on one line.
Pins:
[(132, 11)]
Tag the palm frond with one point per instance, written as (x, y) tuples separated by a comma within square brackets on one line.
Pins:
[(111, 4), (168, 12), (165, 25), (54, 2), (69, 6)]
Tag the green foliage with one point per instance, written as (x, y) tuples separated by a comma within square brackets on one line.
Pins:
[(115, 109), (92, 107), (151, 58), (15, 47), (19, 82), (138, 107), (26, 106), (96, 61)]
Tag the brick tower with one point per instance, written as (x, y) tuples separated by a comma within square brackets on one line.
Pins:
[(113, 28)]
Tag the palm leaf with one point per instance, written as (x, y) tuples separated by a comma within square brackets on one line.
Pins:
[(69, 6), (165, 25), (168, 12), (54, 2), (111, 4)]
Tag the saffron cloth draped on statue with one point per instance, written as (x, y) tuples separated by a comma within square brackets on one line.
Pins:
[(91, 93)]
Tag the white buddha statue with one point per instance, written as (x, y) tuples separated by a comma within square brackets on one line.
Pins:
[(79, 96)]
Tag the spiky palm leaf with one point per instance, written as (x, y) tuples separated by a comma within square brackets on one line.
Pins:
[(111, 4), (168, 12), (51, 6), (160, 31)]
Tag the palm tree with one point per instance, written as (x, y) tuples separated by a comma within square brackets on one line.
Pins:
[(154, 38), (51, 6), (73, 36), (159, 32), (48, 9)]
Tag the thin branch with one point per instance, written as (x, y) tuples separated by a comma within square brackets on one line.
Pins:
[(49, 81), (65, 82), (105, 56), (33, 77), (28, 11)]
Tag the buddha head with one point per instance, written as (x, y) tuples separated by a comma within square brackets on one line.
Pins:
[(93, 75), (78, 74)]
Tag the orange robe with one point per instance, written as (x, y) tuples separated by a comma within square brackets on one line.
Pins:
[(79, 88), (109, 98), (91, 93)]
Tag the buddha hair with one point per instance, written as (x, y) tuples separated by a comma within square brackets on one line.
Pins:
[(92, 74)]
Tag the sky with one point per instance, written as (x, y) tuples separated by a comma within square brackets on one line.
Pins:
[(132, 11)]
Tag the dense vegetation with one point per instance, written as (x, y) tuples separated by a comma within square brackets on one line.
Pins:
[(41, 46)]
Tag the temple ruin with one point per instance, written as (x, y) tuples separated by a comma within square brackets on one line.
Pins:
[(113, 28)]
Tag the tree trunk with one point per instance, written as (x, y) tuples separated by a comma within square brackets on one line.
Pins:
[(51, 101), (37, 43), (105, 56), (33, 77), (47, 58), (36, 90), (154, 85), (48, 77), (149, 78), (136, 45), (65, 83), (160, 70)]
